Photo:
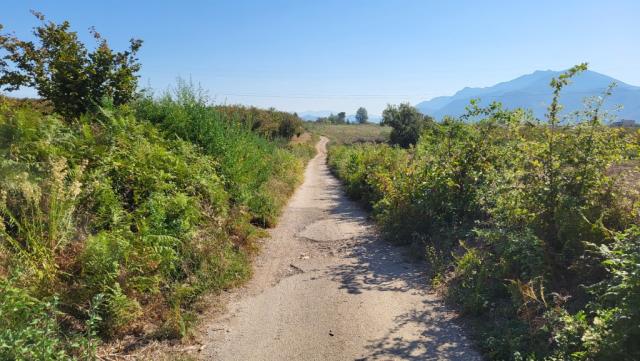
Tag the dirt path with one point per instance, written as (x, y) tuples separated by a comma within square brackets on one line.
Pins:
[(326, 288)]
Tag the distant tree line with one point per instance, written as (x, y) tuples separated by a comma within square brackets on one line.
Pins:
[(340, 118), (361, 117)]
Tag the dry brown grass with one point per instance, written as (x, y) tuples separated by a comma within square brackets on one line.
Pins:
[(43, 106), (302, 138), (350, 134), (626, 187)]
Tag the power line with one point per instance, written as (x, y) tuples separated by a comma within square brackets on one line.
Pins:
[(324, 96)]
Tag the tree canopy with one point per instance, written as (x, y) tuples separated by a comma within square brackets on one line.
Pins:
[(62, 70), (407, 123), (362, 116)]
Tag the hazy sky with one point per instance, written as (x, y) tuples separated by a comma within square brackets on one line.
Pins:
[(339, 54)]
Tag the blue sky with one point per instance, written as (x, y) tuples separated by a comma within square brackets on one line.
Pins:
[(339, 54)]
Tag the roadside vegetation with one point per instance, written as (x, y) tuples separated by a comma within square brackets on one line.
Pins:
[(531, 228), (118, 209)]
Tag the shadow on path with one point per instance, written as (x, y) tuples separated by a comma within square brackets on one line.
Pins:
[(380, 266), (440, 339)]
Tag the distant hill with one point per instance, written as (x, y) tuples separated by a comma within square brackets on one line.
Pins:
[(532, 91), (314, 115)]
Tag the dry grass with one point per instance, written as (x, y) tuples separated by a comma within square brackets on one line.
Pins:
[(350, 134), (627, 186), (303, 138), (41, 105)]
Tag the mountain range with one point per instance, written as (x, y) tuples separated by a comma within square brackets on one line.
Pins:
[(532, 91)]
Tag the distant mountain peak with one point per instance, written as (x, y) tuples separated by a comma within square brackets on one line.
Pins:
[(532, 91)]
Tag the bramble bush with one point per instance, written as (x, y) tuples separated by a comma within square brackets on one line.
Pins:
[(525, 222)]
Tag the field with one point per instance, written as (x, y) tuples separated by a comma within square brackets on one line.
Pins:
[(350, 133)]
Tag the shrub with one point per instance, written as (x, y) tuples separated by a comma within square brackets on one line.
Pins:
[(30, 331), (407, 123), (254, 168), (269, 123), (119, 312)]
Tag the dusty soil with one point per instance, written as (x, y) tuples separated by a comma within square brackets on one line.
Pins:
[(327, 288)]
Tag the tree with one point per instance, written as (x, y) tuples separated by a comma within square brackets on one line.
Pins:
[(63, 71), (289, 126), (407, 123), (342, 118), (362, 116)]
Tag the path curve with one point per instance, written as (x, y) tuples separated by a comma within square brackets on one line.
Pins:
[(327, 288)]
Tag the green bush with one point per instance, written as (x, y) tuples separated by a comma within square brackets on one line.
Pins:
[(30, 328), (608, 328), (64, 72), (269, 123), (407, 123), (258, 174)]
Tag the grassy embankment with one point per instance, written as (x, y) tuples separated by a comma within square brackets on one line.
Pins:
[(115, 223)]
